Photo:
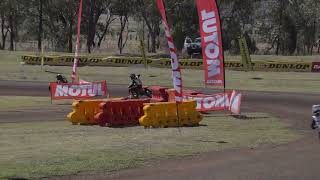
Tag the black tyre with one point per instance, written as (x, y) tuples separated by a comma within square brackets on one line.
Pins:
[(148, 93), (134, 95), (313, 125)]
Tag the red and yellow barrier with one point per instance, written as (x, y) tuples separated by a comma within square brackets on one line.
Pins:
[(84, 111)]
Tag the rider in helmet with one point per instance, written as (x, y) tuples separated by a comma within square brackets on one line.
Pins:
[(135, 82), (61, 79), (315, 119)]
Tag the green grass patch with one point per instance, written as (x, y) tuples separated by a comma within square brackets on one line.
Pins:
[(22, 101), (34, 150)]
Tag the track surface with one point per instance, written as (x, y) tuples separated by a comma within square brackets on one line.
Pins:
[(296, 160)]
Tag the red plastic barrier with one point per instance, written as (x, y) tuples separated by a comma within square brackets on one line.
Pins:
[(121, 112), (159, 94)]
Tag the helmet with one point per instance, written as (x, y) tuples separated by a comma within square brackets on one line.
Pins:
[(132, 76), (59, 76)]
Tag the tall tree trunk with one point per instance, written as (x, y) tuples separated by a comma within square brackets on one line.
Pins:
[(91, 25), (153, 42), (105, 30), (148, 44), (11, 32), (70, 30), (70, 43), (40, 31), (3, 33), (123, 23), (313, 36), (153, 28), (280, 27)]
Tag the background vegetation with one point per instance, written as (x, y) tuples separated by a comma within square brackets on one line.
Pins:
[(286, 27)]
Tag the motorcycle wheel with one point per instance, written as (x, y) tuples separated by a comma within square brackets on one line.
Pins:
[(313, 125), (148, 93), (134, 95)]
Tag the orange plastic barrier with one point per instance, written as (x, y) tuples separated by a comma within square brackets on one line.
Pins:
[(84, 111), (121, 112)]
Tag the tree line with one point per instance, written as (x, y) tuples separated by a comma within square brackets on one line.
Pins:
[(282, 27)]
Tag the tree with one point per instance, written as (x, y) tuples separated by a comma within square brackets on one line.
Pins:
[(4, 23), (122, 8), (59, 18), (103, 27), (148, 11), (183, 18), (40, 26), (15, 16), (96, 8)]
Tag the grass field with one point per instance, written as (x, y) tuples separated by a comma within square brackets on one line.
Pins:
[(11, 69), (7, 102), (33, 150)]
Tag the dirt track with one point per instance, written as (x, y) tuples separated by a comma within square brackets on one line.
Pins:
[(297, 160)]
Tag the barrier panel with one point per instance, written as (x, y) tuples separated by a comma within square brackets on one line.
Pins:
[(120, 61), (120, 112), (159, 94), (171, 93), (84, 111), (164, 114)]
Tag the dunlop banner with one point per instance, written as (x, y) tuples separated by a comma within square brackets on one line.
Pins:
[(284, 66), (184, 63), (119, 61)]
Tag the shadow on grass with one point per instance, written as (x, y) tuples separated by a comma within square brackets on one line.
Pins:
[(257, 78), (245, 117), (212, 141)]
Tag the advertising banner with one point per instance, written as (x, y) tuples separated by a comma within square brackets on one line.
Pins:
[(79, 90), (235, 102), (211, 42), (176, 71), (217, 102)]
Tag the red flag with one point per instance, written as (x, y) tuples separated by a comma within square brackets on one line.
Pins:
[(211, 42), (176, 71), (76, 56)]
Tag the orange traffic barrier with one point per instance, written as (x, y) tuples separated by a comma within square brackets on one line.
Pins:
[(121, 112), (84, 111)]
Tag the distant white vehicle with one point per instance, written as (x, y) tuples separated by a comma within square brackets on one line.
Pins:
[(187, 42)]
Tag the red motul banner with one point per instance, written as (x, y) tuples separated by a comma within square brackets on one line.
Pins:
[(78, 90), (176, 71), (217, 102), (211, 42)]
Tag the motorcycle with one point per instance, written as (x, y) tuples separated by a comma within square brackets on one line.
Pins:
[(59, 80), (136, 93), (136, 90)]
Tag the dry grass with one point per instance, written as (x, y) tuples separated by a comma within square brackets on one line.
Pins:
[(41, 149)]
